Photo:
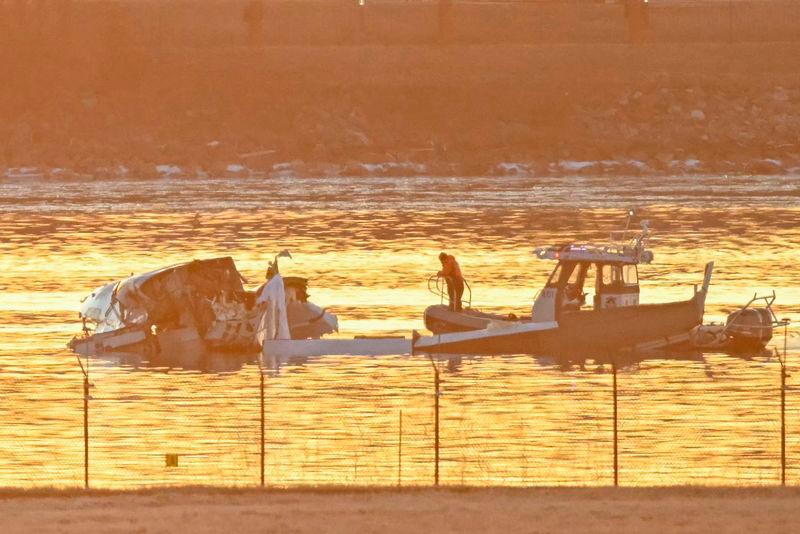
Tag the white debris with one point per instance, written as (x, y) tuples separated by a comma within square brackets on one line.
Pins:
[(274, 323)]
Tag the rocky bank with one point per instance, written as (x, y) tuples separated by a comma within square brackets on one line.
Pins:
[(459, 110)]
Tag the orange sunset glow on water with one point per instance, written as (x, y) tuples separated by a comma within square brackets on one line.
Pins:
[(368, 247)]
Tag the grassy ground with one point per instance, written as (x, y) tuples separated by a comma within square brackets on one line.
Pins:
[(200, 510)]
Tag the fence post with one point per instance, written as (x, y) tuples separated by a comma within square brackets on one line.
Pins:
[(616, 447), (86, 429), (85, 373), (783, 422), (261, 375), (436, 414), (400, 452), (782, 361), (436, 383)]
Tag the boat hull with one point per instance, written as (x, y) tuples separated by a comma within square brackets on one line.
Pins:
[(520, 338), (439, 319), (595, 331)]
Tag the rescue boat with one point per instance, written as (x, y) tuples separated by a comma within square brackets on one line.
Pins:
[(589, 302)]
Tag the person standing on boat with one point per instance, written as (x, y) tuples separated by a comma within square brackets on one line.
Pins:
[(451, 271)]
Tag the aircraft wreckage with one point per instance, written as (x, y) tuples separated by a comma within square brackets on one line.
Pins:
[(198, 305)]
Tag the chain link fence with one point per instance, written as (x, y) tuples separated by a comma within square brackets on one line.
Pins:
[(411, 421)]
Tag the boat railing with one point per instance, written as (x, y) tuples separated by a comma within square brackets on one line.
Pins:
[(627, 239), (437, 284), (768, 300)]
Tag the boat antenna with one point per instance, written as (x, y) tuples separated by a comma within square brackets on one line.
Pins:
[(631, 213), (624, 232)]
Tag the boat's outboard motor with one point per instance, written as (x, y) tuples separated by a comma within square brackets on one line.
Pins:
[(750, 328)]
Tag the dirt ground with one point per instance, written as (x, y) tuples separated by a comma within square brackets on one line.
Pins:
[(198, 510)]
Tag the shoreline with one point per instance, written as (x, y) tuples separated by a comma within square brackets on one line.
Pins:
[(408, 169)]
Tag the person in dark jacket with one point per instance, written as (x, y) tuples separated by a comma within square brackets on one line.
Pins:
[(451, 271)]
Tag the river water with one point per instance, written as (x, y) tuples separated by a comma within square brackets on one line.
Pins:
[(368, 245)]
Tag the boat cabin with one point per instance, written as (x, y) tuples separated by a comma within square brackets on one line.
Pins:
[(576, 285), (591, 277)]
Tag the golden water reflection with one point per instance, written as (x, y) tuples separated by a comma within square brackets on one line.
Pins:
[(368, 247)]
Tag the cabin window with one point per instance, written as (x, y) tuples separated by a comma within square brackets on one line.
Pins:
[(630, 275), (589, 276), (612, 275)]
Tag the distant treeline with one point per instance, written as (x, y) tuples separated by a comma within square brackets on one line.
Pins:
[(199, 23)]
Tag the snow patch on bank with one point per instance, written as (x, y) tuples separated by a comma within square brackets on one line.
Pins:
[(24, 172), (168, 170), (513, 169), (576, 166), (392, 166), (666, 164)]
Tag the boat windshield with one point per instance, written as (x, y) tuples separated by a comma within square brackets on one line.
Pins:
[(570, 278), (555, 276)]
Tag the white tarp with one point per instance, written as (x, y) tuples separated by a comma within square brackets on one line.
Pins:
[(273, 324)]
